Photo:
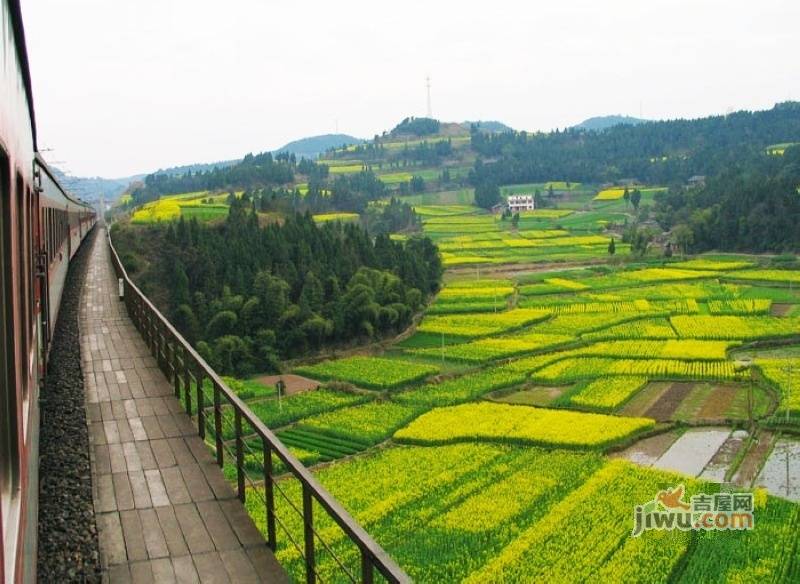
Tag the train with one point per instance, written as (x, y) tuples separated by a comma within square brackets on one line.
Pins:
[(41, 229)]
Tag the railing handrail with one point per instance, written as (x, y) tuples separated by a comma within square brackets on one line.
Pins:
[(378, 556)]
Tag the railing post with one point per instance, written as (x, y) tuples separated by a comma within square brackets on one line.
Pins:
[(176, 376), (308, 535), (162, 342), (218, 424), (269, 494), (153, 338), (367, 571), (187, 383), (201, 414), (237, 422)]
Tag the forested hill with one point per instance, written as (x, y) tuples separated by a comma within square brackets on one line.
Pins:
[(247, 295), (751, 206), (605, 122), (313, 146), (662, 152), (253, 171)]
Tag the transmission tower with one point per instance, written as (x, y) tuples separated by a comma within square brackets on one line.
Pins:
[(428, 86)]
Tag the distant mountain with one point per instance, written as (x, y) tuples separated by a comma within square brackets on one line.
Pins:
[(606, 122), (193, 168), (90, 188), (313, 146), (488, 126)]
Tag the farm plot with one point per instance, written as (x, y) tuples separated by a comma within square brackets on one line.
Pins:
[(767, 552), (740, 306), (327, 217), (690, 453), (781, 469), (784, 374), (434, 508), (369, 372), (584, 323), (578, 368), (348, 430), (443, 210), (494, 289), (645, 328), (478, 325), (608, 393), (276, 413), (521, 425), (689, 350), (559, 548), (734, 327), (714, 265), (490, 349), (461, 389), (777, 276)]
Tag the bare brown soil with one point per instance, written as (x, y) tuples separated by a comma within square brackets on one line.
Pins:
[(754, 459), (294, 383), (645, 399), (718, 402), (668, 403), (534, 396), (780, 309)]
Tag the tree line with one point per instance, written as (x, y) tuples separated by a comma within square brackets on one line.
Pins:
[(255, 170), (752, 206), (654, 152), (247, 295)]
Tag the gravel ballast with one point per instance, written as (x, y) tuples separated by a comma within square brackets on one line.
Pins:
[(68, 545)]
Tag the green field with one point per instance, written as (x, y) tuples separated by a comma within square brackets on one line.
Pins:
[(202, 205), (490, 442), (459, 488)]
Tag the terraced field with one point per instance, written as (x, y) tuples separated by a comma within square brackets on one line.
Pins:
[(510, 437)]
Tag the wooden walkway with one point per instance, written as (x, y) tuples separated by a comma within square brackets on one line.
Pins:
[(164, 510)]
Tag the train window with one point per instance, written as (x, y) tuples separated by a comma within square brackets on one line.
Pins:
[(49, 223), (22, 274), (9, 469)]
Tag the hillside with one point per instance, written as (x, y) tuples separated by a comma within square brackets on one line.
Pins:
[(605, 122), (313, 146), (559, 335), (92, 188), (487, 126)]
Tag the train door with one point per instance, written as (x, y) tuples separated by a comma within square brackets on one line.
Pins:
[(9, 372), (41, 290), (69, 233)]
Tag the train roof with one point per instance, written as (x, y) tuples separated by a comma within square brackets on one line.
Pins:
[(22, 54), (40, 162)]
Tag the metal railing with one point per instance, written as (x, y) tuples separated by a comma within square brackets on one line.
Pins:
[(188, 371)]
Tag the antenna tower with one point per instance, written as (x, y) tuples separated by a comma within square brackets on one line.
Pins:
[(428, 86)]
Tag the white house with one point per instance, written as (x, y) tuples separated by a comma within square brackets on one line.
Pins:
[(517, 203)]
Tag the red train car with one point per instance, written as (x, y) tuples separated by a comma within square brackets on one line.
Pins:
[(41, 227)]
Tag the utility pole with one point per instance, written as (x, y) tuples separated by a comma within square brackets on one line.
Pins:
[(789, 371), (428, 86)]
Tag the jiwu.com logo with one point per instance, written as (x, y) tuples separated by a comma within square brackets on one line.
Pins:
[(717, 512)]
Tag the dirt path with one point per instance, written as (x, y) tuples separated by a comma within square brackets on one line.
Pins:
[(754, 459), (294, 383)]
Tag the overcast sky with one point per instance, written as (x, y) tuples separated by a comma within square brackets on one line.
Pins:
[(129, 86)]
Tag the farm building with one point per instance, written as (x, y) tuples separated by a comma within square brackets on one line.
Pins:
[(697, 180), (517, 203)]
